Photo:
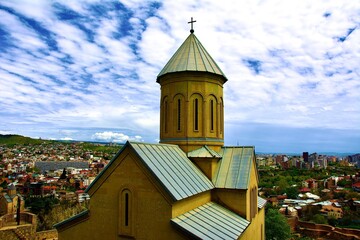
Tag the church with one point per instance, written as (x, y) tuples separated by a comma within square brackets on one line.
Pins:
[(189, 186)]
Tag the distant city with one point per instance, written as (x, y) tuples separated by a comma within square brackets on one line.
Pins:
[(306, 160), (36, 171)]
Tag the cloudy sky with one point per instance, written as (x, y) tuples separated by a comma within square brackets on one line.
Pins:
[(86, 70)]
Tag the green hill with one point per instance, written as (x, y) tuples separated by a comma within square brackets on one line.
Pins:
[(11, 140)]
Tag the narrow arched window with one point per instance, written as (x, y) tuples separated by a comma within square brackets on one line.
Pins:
[(165, 116), (179, 115), (126, 209), (125, 213), (196, 114), (221, 117), (212, 115)]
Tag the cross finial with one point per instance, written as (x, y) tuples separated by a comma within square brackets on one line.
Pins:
[(192, 21)]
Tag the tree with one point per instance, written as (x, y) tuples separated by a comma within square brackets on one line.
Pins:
[(276, 226), (319, 219), (344, 183), (4, 184), (292, 192), (63, 175)]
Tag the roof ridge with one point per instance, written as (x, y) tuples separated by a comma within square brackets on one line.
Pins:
[(146, 143)]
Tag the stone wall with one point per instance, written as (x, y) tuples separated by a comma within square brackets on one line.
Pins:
[(326, 231), (6, 219), (48, 235), (10, 219), (16, 232)]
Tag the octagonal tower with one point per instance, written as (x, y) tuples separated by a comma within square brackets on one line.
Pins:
[(192, 104)]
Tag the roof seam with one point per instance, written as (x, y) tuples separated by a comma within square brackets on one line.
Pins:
[(171, 183), (177, 167), (204, 50), (156, 175)]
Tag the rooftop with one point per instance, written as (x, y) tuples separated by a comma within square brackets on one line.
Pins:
[(191, 56)]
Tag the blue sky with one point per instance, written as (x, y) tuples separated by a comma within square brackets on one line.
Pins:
[(86, 70)]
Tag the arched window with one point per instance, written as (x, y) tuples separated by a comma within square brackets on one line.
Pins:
[(126, 210), (178, 114), (221, 116), (212, 115), (165, 116), (196, 114), (125, 213)]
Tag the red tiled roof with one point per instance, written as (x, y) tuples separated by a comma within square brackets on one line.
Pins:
[(305, 189), (356, 184)]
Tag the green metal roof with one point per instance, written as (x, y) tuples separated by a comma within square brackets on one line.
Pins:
[(204, 152), (7, 198), (261, 202), (234, 168), (211, 221), (191, 56), (170, 165)]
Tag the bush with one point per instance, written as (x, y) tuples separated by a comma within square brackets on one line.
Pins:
[(276, 226), (319, 219)]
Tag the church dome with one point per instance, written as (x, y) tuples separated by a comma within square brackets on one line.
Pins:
[(191, 56)]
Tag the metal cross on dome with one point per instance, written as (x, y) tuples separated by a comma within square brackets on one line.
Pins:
[(192, 21)]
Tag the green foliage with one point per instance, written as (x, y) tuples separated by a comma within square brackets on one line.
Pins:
[(4, 184), (319, 219), (101, 148), (332, 221), (282, 183), (276, 225), (339, 195), (11, 140), (39, 204), (344, 182), (350, 219), (292, 192), (351, 195)]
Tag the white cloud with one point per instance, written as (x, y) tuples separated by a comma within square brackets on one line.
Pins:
[(66, 139), (115, 137), (100, 70)]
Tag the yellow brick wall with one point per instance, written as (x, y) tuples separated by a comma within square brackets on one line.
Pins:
[(233, 199), (190, 203), (186, 86), (151, 210), (256, 229)]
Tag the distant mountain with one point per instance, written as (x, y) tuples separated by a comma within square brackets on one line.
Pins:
[(12, 139)]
